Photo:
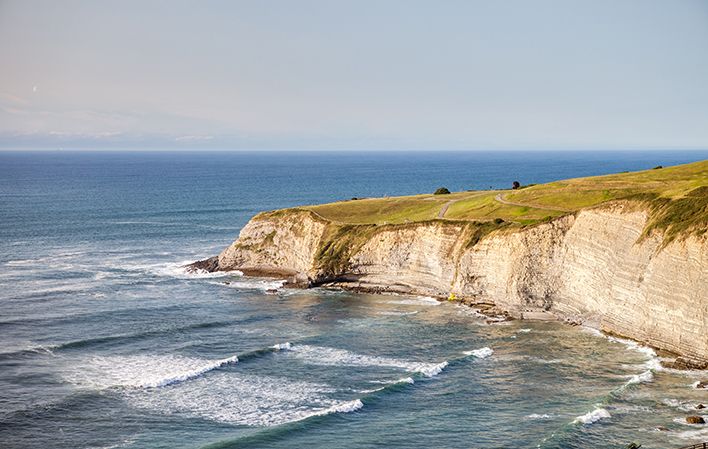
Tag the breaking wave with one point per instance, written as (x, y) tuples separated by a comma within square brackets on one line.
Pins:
[(142, 371), (481, 353), (593, 416), (539, 416), (320, 355)]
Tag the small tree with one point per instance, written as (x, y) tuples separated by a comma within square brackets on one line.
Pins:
[(442, 191), (515, 185)]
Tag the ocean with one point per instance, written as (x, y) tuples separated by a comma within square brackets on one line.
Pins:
[(106, 342)]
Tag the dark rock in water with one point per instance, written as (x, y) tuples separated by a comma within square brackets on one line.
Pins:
[(685, 364), (209, 265), (227, 283), (662, 428), (272, 291), (702, 384), (695, 420), (700, 406)]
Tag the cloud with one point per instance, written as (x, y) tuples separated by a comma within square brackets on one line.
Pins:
[(193, 138)]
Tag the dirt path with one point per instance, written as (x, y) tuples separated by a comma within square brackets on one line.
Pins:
[(501, 199), (444, 209)]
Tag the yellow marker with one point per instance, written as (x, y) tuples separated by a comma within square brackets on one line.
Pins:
[(452, 297)]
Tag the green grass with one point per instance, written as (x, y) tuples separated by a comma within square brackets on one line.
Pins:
[(486, 207), (676, 198), (573, 194), (393, 210)]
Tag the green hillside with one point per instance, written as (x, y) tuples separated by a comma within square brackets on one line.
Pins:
[(677, 198)]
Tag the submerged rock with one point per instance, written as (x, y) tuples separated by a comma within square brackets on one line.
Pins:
[(702, 384), (695, 420)]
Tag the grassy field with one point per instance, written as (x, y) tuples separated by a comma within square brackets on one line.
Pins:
[(676, 196)]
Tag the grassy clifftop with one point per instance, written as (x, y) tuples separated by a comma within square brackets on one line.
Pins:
[(677, 198)]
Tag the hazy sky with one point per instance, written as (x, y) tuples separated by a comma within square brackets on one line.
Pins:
[(357, 74)]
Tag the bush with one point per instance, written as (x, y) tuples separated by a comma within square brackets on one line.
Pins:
[(498, 221), (658, 167), (442, 191), (515, 185)]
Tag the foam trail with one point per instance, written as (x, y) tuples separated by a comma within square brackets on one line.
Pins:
[(539, 416), (193, 373), (253, 284), (481, 353), (142, 371), (430, 370), (593, 416), (646, 376), (342, 407), (245, 399), (320, 355)]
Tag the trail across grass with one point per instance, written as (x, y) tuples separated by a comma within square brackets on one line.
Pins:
[(675, 196)]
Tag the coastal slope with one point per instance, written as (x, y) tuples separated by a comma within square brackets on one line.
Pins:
[(631, 260)]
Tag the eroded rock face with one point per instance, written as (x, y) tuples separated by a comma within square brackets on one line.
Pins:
[(593, 268), (277, 244)]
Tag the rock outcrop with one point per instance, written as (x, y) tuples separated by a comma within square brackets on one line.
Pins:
[(595, 267)]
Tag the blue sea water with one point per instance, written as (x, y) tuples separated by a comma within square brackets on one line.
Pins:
[(106, 342)]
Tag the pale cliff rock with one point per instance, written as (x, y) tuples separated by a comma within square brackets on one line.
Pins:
[(595, 267)]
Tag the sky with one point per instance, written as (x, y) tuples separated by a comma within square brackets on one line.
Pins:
[(358, 74)]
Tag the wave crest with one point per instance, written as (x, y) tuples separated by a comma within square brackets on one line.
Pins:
[(481, 353), (593, 416)]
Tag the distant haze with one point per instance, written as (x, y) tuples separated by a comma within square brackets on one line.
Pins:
[(359, 74)]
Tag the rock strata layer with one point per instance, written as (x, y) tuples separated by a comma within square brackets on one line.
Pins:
[(594, 268)]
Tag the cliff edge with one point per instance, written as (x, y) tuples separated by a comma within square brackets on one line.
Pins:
[(622, 265)]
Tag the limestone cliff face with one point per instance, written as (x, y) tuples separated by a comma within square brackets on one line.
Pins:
[(276, 244), (593, 267)]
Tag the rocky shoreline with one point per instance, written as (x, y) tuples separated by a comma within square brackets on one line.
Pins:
[(595, 268)]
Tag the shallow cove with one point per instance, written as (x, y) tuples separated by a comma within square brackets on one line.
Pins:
[(107, 343)]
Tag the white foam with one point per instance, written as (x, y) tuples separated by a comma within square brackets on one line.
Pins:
[(481, 353), (525, 331), (321, 355), (646, 376), (243, 399), (539, 416), (430, 370), (681, 405), (177, 270), (652, 364), (416, 301), (141, 371), (282, 346), (633, 345), (593, 416), (694, 435), (341, 407), (592, 330), (254, 284), (405, 380)]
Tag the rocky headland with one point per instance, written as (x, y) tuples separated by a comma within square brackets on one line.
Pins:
[(618, 265)]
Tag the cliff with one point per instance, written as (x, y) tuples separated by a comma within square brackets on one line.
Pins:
[(599, 266)]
